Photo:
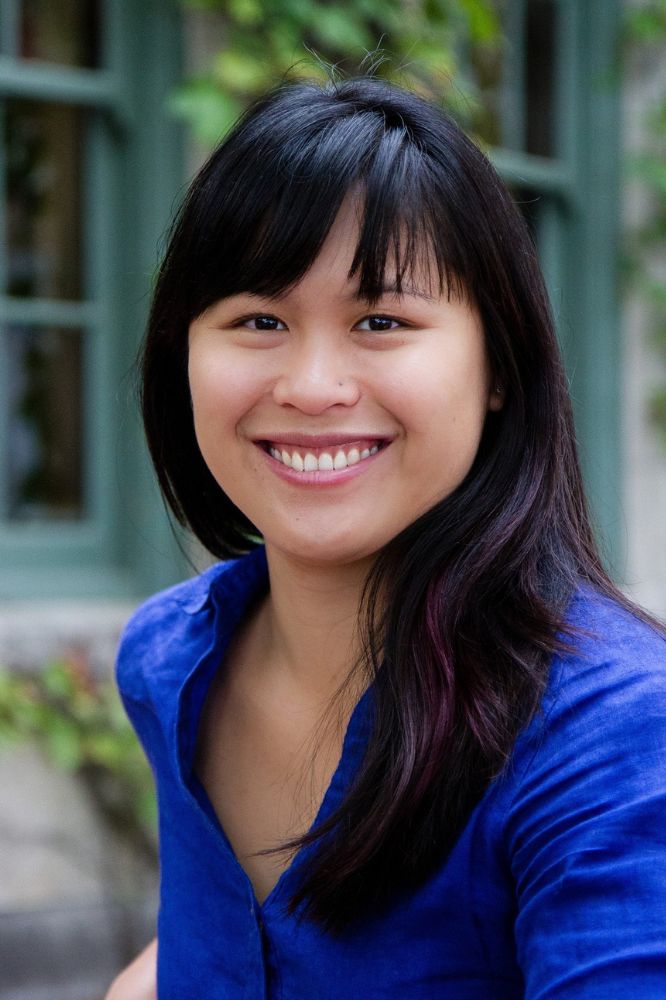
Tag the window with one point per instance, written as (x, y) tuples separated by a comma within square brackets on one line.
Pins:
[(555, 139), (89, 167)]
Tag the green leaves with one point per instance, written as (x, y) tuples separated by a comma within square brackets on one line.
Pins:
[(647, 23), (81, 726), (246, 13), (62, 742), (239, 72), (416, 42), (483, 21), (342, 29), (209, 110)]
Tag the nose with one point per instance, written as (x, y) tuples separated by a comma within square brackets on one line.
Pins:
[(316, 377)]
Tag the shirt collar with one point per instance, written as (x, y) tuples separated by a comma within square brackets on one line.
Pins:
[(227, 579)]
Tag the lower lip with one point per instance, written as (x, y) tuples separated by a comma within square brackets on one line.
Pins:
[(334, 477)]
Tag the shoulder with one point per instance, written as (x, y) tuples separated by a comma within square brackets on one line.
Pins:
[(616, 663), (600, 735), (164, 634)]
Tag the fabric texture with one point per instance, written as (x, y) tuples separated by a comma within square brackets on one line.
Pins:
[(555, 890)]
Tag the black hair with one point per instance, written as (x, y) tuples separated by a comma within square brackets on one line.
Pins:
[(462, 610)]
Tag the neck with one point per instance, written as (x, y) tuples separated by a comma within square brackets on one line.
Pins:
[(310, 623)]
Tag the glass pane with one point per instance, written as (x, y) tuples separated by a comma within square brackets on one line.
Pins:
[(44, 460), (540, 59), (44, 191), (61, 31)]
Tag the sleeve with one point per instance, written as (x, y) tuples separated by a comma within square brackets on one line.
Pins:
[(587, 835)]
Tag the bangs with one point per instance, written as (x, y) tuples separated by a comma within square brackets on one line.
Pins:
[(268, 202)]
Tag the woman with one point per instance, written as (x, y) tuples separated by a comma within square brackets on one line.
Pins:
[(411, 744)]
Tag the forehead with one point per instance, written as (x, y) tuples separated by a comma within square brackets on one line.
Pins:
[(339, 247)]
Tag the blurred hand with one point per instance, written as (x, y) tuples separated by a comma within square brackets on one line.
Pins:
[(139, 980)]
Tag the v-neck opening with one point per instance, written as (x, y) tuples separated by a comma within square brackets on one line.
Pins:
[(194, 693), (332, 797)]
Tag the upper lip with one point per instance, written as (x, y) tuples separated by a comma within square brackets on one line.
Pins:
[(332, 440)]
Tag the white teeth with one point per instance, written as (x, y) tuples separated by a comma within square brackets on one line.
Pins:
[(326, 462)]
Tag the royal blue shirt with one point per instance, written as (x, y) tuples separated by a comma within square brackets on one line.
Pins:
[(555, 890)]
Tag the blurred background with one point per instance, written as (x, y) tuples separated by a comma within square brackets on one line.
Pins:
[(107, 107)]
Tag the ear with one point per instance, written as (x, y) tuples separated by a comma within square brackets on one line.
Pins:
[(496, 398)]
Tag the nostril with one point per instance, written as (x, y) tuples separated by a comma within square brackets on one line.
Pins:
[(313, 394)]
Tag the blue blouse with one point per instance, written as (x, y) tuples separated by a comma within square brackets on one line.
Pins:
[(555, 890)]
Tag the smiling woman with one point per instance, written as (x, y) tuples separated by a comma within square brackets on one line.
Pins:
[(409, 742)]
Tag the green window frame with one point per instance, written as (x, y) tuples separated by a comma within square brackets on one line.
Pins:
[(132, 170), (576, 221)]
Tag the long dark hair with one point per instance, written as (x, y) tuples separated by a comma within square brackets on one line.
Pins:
[(463, 609)]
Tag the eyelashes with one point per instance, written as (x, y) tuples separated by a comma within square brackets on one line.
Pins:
[(262, 322), (375, 323), (380, 324)]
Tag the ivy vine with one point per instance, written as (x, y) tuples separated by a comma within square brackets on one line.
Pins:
[(437, 47), (80, 725)]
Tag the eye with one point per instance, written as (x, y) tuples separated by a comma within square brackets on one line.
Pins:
[(379, 324), (262, 322)]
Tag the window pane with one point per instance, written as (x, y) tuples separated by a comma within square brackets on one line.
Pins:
[(520, 91), (44, 189), (44, 460), (540, 77), (61, 31)]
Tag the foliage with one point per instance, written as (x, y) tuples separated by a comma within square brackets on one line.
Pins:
[(448, 49), (81, 726), (646, 40)]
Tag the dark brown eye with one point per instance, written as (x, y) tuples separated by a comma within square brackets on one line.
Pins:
[(264, 323), (378, 324)]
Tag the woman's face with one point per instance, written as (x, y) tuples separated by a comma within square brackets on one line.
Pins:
[(330, 424)]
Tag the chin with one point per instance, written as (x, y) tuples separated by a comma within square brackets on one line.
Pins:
[(322, 553)]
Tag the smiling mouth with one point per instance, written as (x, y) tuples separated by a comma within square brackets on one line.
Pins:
[(304, 459)]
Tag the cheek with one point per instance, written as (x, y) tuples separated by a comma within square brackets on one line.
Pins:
[(215, 419), (207, 370), (221, 392), (443, 392), (444, 415)]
